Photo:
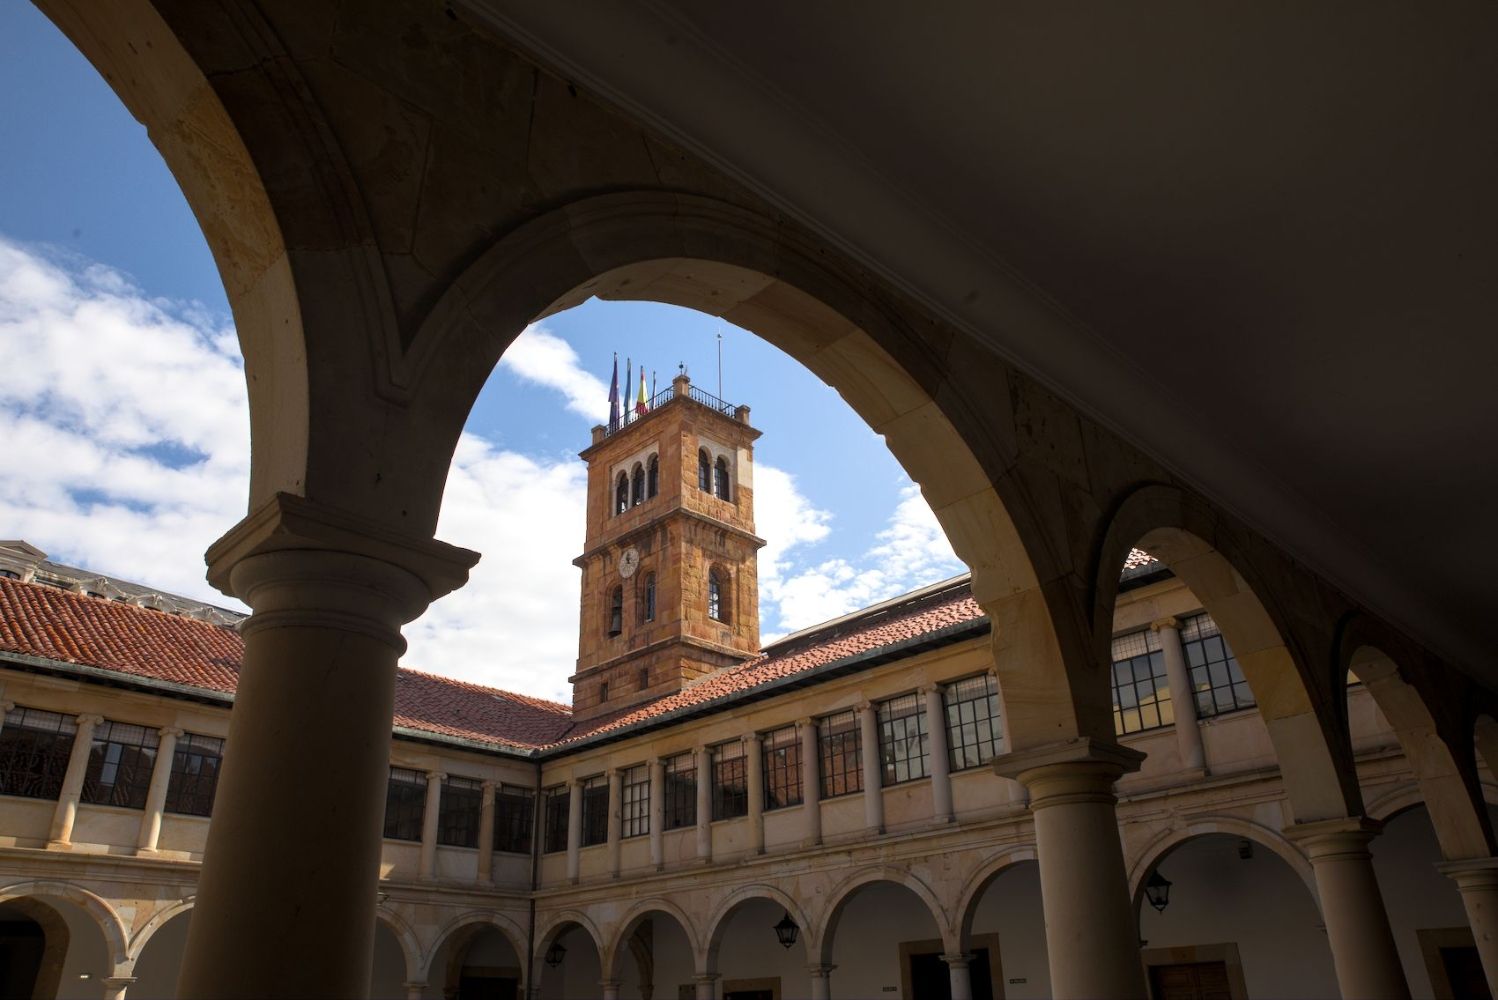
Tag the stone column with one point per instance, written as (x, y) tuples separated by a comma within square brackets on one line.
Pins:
[(616, 818), (574, 830), (161, 776), (1477, 881), (301, 793), (72, 782), (707, 985), (486, 834), (415, 991), (429, 819), (704, 805), (1357, 925), (115, 986), (821, 981), (1092, 935), (657, 813), (873, 773), (939, 762), (610, 989), (5, 709), (811, 783), (957, 970), (755, 770), (1182, 696)]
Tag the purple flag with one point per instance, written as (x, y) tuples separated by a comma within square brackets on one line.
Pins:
[(614, 397)]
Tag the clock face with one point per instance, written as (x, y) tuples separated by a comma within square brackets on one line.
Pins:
[(629, 561)]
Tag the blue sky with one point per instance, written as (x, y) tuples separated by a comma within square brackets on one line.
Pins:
[(108, 294)]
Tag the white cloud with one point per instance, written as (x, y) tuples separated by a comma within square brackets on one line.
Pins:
[(543, 358)]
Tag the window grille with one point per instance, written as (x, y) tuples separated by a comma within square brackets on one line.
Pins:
[(653, 477), (635, 802), (595, 810), (637, 486), (621, 494), (780, 751), (650, 597), (902, 739), (616, 611), (557, 802), (720, 480), (840, 746), (1215, 675), (120, 762), (194, 778), (715, 596), (681, 791), (1141, 690), (458, 810), (973, 733), (730, 781), (514, 816), (34, 751), (405, 803), (704, 471)]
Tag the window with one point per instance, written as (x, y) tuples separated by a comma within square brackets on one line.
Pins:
[(514, 815), (653, 477), (194, 777), (119, 765), (730, 781), (704, 471), (1215, 677), (34, 750), (781, 753), (405, 802), (595, 810), (649, 601), (973, 734), (616, 611), (644, 678), (621, 494), (840, 747), (715, 609), (720, 480), (681, 791), (458, 811), (902, 739), (1141, 692), (557, 803), (635, 802), (603, 691), (637, 486)]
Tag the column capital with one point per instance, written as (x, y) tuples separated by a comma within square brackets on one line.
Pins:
[(488, 785), (610, 984), (171, 731), (864, 706), (1472, 874), (752, 738), (437, 776), (116, 982), (1341, 839), (1075, 770), (930, 687), (1169, 621), (820, 971), (707, 977), (957, 961), (89, 720), (6, 706), (655, 762), (806, 722)]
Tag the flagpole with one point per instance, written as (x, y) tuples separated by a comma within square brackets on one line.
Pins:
[(720, 364)]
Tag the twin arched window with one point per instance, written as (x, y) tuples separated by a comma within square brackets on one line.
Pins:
[(717, 604), (712, 477), (633, 489)]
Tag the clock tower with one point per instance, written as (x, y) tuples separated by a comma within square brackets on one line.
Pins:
[(670, 587)]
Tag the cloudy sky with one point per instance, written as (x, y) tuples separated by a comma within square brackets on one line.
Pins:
[(124, 434)]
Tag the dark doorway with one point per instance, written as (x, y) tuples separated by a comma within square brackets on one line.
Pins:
[(481, 987), (1190, 981), (750, 995), (1464, 972), (22, 944), (930, 978)]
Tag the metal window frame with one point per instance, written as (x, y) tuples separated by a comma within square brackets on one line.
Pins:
[(832, 748), (904, 745)]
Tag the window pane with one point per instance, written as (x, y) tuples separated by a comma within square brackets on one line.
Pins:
[(458, 810), (636, 801), (120, 762), (595, 810), (902, 739), (973, 734), (1141, 691), (34, 751), (1215, 674), (781, 750), (405, 803), (194, 777), (681, 791), (514, 817), (730, 789), (558, 805)]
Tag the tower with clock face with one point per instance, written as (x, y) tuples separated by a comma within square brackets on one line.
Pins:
[(670, 588)]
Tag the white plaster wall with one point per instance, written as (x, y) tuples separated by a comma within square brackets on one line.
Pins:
[(1259, 904), (1010, 907), (578, 976), (388, 976), (749, 950), (673, 961), (160, 963), (458, 863), (866, 942), (87, 954)]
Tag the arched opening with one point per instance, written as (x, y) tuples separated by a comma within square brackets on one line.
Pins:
[(653, 477), (653, 955), (881, 934), (647, 601), (717, 596), (476, 961), (568, 964), (159, 961), (621, 494), (1236, 921), (1003, 929), (746, 952), (704, 471), (616, 611), (637, 486), (721, 487), (51, 947), (389, 973)]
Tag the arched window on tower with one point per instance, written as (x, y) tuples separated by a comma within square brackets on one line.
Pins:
[(717, 603), (649, 597), (720, 480), (704, 471), (653, 477), (637, 486), (621, 494), (616, 611)]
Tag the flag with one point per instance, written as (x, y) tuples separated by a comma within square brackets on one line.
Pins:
[(614, 397), (642, 401)]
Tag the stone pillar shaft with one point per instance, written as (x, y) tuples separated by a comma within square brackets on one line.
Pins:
[(610, 989), (821, 981), (429, 818), (1182, 696), (811, 783), (72, 782), (960, 975), (1357, 925), (574, 830), (1477, 881), (616, 820), (939, 760), (486, 834), (707, 986), (755, 770), (704, 804), (161, 775), (415, 991), (658, 813), (115, 986), (1091, 931), (873, 775)]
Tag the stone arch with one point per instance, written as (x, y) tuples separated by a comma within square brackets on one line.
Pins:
[(837, 899), (1306, 716), (930, 395), (159, 919), (619, 939), (457, 933), (411, 952), (708, 943), (116, 939), (553, 927), (1156, 851), (972, 890)]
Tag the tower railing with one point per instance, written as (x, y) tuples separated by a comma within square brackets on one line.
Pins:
[(665, 396)]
